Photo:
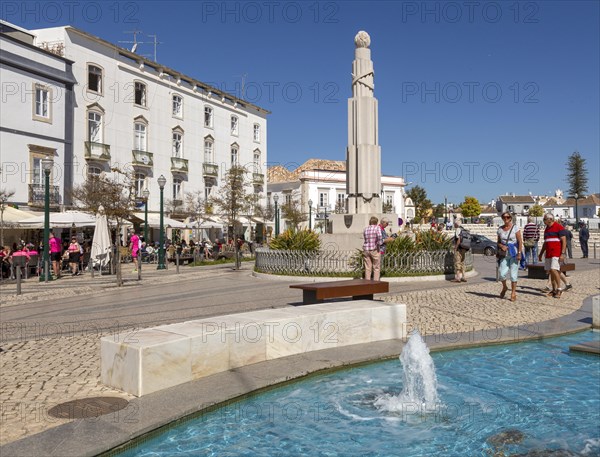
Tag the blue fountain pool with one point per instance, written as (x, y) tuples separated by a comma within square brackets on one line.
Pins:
[(510, 399)]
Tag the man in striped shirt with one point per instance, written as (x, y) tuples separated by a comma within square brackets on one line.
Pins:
[(531, 236), (371, 246)]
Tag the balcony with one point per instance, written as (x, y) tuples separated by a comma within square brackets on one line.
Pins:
[(258, 178), (37, 195), (210, 169), (179, 165), (97, 151), (142, 158)]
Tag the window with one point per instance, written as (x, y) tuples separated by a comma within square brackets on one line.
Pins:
[(340, 201), (94, 79), (208, 150), (140, 94), (207, 190), (139, 141), (177, 106), (94, 127), (288, 198), (256, 132), (42, 102), (208, 117), (37, 173), (94, 171), (234, 125), (234, 154), (256, 161), (140, 183), (323, 200), (177, 144), (176, 188)]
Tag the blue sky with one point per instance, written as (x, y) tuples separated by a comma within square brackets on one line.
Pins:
[(475, 98)]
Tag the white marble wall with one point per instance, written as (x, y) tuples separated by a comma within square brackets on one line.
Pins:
[(164, 356)]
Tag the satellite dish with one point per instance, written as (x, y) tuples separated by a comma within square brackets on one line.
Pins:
[(134, 47)]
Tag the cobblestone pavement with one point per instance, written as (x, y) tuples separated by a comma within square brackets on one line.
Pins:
[(39, 374)]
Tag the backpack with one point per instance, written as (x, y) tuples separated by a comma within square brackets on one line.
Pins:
[(465, 239)]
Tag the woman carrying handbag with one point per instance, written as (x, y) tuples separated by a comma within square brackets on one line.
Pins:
[(509, 252)]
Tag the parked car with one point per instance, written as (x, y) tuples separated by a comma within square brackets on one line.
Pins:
[(482, 245)]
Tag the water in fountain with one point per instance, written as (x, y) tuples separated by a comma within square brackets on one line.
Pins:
[(419, 391)]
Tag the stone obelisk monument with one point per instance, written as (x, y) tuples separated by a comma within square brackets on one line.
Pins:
[(363, 155)]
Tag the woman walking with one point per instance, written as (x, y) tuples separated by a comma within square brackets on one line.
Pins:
[(510, 248), (74, 256)]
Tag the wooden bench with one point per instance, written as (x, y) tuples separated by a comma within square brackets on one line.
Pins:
[(358, 289), (536, 271)]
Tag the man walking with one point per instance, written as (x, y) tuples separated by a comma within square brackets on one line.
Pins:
[(584, 236), (459, 254), (531, 236), (371, 246), (555, 248)]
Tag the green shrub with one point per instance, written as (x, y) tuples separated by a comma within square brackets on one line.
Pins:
[(431, 240), (404, 243), (300, 240)]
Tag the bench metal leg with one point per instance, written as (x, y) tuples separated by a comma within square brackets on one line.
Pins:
[(363, 297), (309, 297)]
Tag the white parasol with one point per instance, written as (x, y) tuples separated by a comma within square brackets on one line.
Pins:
[(101, 245)]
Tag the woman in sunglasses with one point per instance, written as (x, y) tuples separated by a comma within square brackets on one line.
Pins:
[(510, 248)]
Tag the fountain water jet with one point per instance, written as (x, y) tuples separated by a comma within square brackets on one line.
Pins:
[(419, 391)]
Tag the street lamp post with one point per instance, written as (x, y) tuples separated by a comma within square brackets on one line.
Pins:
[(445, 211), (576, 215), (47, 164), (161, 249), (275, 199), (310, 202), (146, 195)]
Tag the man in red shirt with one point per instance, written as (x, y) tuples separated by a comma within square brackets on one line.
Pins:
[(555, 247)]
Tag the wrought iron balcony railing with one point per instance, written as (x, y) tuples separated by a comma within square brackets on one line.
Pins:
[(97, 151), (37, 195), (142, 158)]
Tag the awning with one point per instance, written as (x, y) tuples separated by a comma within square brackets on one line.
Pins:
[(154, 221), (11, 216), (66, 219)]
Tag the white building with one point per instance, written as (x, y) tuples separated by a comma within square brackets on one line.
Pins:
[(323, 183), (36, 119), (133, 113)]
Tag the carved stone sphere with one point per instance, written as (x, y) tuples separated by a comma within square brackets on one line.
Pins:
[(362, 39)]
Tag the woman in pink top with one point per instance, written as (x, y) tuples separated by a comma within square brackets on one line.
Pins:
[(134, 244), (55, 254), (74, 256)]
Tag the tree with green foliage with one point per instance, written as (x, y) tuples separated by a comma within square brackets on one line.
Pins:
[(418, 195), (536, 211), (577, 175), (470, 207), (439, 210), (232, 201)]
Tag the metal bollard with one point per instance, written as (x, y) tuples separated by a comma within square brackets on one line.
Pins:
[(139, 267), (18, 275), (177, 261)]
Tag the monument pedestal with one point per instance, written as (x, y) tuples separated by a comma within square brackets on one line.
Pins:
[(347, 230)]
